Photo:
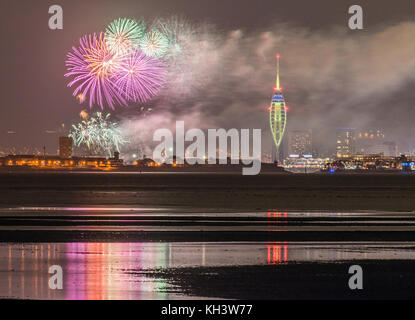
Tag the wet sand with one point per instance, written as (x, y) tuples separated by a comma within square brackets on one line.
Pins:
[(382, 280)]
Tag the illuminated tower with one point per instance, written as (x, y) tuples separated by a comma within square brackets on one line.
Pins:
[(277, 112)]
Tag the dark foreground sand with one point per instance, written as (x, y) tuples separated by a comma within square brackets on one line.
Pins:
[(381, 280), (280, 191)]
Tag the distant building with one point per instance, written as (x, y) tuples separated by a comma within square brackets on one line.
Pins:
[(300, 142), (146, 162), (388, 148), (373, 142), (345, 142), (367, 139), (116, 161), (56, 162), (305, 164), (65, 147), (372, 162)]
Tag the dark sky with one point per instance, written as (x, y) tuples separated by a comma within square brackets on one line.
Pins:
[(35, 97)]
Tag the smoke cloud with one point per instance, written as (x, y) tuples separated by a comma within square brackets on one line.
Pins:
[(330, 78)]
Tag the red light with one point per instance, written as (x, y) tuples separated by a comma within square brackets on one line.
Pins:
[(287, 108), (278, 56), (269, 108), (274, 88)]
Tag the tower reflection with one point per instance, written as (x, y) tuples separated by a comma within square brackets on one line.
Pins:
[(277, 252)]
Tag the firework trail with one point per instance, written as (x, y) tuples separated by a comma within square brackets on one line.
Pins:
[(92, 65), (154, 44), (123, 35), (99, 134), (140, 77)]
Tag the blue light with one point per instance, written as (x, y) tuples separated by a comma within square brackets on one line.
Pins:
[(332, 170)]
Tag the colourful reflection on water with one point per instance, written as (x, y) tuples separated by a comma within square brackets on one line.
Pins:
[(276, 220), (277, 253), (132, 270), (93, 271), (26, 269), (98, 271)]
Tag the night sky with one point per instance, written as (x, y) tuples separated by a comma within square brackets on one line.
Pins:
[(333, 76)]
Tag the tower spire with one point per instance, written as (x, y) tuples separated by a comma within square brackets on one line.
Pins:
[(277, 85)]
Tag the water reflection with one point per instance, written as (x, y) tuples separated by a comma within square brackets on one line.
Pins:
[(277, 253), (120, 270), (26, 267), (276, 220), (102, 270)]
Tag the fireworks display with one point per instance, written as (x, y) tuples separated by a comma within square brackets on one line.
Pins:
[(154, 44), (121, 66), (123, 35), (140, 77), (178, 31), (92, 66), (98, 134)]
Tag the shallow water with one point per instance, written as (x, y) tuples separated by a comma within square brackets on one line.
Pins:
[(124, 270), (179, 219), (121, 268)]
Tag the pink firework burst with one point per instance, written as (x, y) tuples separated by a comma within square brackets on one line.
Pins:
[(140, 77), (93, 65)]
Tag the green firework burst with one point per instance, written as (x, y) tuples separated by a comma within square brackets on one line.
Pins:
[(154, 44), (123, 34), (98, 134)]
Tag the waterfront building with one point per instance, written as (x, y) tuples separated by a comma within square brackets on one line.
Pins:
[(345, 142), (65, 147), (300, 142)]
